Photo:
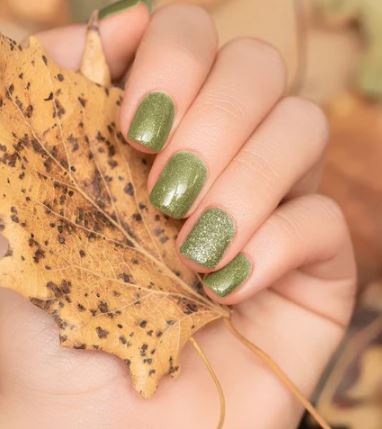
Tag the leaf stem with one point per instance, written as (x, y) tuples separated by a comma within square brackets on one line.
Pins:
[(268, 361), (215, 379)]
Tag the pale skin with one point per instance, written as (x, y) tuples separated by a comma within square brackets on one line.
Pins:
[(264, 153)]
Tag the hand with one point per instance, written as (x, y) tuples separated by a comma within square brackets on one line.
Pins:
[(241, 163)]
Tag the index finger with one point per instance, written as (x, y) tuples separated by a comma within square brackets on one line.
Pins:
[(121, 31)]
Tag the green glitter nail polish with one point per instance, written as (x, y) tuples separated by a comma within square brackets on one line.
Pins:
[(224, 281), (153, 121), (121, 6), (209, 238), (179, 184)]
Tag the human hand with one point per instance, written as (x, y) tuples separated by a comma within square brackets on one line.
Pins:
[(256, 156)]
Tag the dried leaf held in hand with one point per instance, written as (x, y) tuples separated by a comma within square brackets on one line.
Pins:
[(85, 244)]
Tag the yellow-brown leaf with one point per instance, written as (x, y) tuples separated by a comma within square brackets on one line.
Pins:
[(85, 244)]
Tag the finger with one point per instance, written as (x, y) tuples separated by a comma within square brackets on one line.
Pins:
[(308, 233), (246, 81), (171, 65), (120, 32), (283, 149)]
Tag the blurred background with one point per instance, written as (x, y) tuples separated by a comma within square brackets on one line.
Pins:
[(333, 51)]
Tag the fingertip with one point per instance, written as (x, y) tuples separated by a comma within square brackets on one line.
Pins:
[(120, 33), (225, 285)]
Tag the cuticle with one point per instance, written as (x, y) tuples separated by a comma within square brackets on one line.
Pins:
[(192, 152)]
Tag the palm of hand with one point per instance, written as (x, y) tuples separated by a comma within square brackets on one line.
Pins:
[(44, 383)]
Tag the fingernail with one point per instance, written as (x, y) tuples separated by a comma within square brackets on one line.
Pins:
[(224, 281), (121, 6), (209, 238), (179, 184), (153, 121)]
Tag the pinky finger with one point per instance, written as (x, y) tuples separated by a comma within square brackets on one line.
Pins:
[(308, 233)]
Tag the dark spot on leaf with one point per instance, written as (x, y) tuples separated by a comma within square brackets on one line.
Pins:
[(102, 333), (39, 254), (103, 307), (82, 101), (40, 303), (129, 189), (122, 340), (80, 307), (143, 349), (80, 346)]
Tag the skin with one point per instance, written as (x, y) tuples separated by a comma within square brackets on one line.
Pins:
[(261, 149)]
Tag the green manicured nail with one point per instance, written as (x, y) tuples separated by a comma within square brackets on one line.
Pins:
[(224, 281), (179, 184), (209, 238), (153, 121), (121, 6)]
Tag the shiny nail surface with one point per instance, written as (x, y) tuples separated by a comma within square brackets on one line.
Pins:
[(153, 121), (121, 6), (209, 238), (179, 184), (224, 281)]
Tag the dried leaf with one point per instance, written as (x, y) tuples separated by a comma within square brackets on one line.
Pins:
[(85, 244)]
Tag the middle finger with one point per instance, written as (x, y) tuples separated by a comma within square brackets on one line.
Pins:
[(246, 81)]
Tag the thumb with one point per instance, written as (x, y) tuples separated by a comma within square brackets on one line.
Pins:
[(122, 25)]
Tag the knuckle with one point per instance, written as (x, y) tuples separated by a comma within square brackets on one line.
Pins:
[(260, 53), (192, 26), (287, 225), (310, 114), (331, 207), (260, 171), (222, 101), (332, 211), (192, 16)]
